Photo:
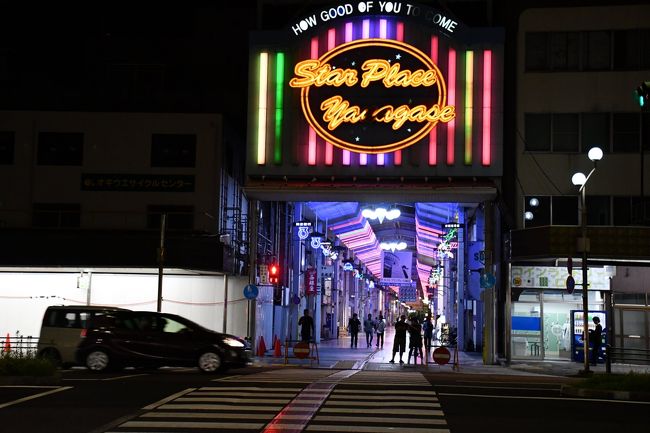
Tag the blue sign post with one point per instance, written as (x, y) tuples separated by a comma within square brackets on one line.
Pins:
[(251, 291)]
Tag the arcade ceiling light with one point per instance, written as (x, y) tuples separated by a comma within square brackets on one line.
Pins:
[(393, 246), (381, 213)]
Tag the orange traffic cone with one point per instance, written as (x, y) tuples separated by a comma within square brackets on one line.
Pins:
[(277, 351), (7, 347), (261, 347)]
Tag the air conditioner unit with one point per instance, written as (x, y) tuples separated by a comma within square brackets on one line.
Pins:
[(225, 239)]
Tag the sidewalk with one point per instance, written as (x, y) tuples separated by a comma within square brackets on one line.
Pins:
[(337, 354)]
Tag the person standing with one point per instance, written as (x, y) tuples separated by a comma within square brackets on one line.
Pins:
[(415, 341), (354, 324), (380, 326), (427, 327), (399, 343), (369, 329), (595, 338), (306, 324)]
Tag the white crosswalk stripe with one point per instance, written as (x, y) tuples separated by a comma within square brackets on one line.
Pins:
[(366, 402)]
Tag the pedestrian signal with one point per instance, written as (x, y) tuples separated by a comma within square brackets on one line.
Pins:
[(274, 274)]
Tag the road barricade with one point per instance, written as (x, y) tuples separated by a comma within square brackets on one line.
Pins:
[(296, 349)]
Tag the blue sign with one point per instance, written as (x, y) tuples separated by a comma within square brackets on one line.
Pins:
[(488, 280), (251, 291)]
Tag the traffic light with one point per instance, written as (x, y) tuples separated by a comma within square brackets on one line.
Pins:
[(274, 273), (642, 94)]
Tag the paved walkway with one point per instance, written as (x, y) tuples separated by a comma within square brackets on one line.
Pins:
[(336, 353)]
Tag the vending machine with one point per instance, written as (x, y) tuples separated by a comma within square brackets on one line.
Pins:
[(577, 344)]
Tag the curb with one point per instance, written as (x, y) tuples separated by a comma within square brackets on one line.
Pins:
[(572, 391)]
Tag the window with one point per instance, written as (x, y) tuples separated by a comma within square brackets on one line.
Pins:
[(178, 217), (60, 148), (597, 51), (173, 150), (622, 211), (7, 141), (565, 132), (594, 131), (56, 215), (538, 132), (598, 210), (626, 132), (565, 54), (627, 49), (565, 211), (536, 51), (541, 212)]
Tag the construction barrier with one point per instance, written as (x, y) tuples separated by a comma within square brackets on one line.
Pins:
[(301, 350)]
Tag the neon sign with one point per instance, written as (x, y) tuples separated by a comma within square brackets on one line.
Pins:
[(372, 95)]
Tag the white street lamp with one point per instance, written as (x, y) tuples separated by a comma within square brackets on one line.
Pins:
[(579, 179), (529, 216)]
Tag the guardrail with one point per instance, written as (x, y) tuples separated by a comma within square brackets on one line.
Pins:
[(18, 345), (626, 356)]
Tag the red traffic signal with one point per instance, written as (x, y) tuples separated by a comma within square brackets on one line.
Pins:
[(274, 273)]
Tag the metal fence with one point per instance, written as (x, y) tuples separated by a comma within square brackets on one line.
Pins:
[(18, 345), (625, 356)]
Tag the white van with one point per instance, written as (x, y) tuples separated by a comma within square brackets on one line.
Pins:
[(62, 330)]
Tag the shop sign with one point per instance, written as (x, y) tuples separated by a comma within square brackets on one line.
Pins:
[(310, 282), (372, 95), (550, 277)]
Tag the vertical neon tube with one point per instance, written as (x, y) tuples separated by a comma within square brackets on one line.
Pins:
[(279, 85), (451, 100), (348, 38), (261, 108), (329, 148), (433, 135), (486, 154), (311, 153), (365, 34), (381, 157), (399, 35), (469, 102)]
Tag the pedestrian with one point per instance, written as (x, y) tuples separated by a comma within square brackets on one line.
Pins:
[(427, 327), (354, 324), (369, 329), (399, 343), (415, 341), (380, 326), (595, 338), (306, 324)]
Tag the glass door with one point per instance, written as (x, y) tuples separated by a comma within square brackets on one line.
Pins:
[(527, 329)]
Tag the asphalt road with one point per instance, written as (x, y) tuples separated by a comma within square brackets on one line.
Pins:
[(313, 400)]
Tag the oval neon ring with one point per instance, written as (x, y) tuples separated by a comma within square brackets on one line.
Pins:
[(392, 128)]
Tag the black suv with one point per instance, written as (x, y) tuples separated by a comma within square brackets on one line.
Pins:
[(148, 339)]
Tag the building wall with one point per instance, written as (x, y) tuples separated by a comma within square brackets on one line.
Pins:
[(605, 91), (115, 143)]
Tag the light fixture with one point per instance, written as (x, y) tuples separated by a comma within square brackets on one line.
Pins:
[(595, 154), (393, 245), (534, 202), (529, 216), (381, 213), (579, 179)]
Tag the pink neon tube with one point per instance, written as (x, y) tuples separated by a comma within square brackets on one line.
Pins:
[(433, 135), (486, 155), (399, 35), (348, 38), (329, 148), (365, 34), (311, 156), (451, 100)]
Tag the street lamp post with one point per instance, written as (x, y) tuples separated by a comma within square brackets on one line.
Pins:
[(579, 179)]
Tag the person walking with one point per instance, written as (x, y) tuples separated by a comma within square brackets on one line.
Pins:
[(306, 324), (399, 343), (354, 324), (427, 327), (380, 326), (369, 329), (595, 338), (415, 341)]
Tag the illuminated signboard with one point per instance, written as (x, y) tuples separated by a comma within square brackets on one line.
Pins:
[(372, 95), (378, 90)]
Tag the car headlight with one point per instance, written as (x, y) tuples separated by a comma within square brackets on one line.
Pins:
[(233, 342)]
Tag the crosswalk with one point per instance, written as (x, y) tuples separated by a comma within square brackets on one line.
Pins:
[(299, 400)]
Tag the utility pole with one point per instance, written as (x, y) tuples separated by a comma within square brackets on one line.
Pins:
[(161, 260)]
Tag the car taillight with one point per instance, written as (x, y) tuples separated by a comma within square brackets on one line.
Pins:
[(83, 333)]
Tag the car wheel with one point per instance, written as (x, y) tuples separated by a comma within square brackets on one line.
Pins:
[(97, 360), (210, 362), (53, 356)]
